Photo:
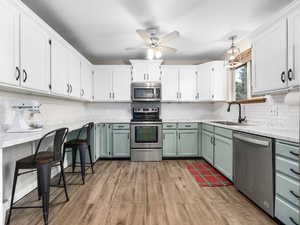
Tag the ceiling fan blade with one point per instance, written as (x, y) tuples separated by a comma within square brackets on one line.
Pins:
[(169, 37), (139, 47), (167, 49), (144, 35)]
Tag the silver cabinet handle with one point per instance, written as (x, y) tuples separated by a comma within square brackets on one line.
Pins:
[(251, 140), (110, 95), (290, 75), (71, 88), (68, 88)]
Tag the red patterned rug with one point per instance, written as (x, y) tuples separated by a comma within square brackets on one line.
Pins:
[(206, 175)]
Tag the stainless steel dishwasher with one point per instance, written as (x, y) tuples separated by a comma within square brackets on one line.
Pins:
[(253, 169)]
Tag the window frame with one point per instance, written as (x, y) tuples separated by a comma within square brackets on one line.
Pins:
[(249, 80)]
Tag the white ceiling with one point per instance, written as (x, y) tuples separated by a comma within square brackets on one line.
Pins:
[(102, 29)]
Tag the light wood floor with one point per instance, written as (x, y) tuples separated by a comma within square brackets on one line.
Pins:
[(127, 193)]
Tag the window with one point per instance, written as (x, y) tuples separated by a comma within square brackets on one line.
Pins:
[(241, 79)]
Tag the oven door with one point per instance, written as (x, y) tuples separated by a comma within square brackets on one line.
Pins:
[(146, 135), (145, 94)]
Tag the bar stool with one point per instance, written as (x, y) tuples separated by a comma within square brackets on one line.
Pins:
[(83, 146), (42, 162)]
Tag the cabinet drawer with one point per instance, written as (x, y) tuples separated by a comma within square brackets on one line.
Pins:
[(285, 212), (207, 127), (287, 188), (223, 132), (289, 151), (169, 125), (287, 167), (188, 126), (120, 126)]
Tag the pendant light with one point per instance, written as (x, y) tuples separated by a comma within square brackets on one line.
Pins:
[(232, 56)]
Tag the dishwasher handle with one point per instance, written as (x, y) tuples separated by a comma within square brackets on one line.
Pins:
[(251, 140)]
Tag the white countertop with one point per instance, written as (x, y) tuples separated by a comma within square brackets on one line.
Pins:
[(11, 139), (272, 132)]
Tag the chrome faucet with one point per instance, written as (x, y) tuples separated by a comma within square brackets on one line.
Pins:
[(240, 111)]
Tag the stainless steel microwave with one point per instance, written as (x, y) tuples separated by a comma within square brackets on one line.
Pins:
[(146, 91)]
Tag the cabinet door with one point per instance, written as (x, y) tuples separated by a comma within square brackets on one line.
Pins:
[(187, 142), (35, 55), (224, 155), (104, 150), (74, 75), (204, 82), (219, 81), (187, 84), (59, 68), (86, 81), (9, 45), (269, 59), (121, 84), (154, 72), (294, 49), (169, 81), (109, 139), (103, 80), (97, 141), (139, 72), (207, 147), (121, 143), (169, 143)]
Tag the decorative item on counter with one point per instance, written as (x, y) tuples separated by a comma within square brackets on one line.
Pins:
[(292, 99), (19, 124)]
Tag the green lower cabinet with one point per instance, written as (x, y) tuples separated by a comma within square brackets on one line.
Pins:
[(105, 146), (169, 143), (187, 143), (223, 158), (121, 143), (207, 146)]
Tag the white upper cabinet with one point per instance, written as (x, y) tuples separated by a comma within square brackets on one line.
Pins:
[(187, 83), (146, 70), (103, 84), (294, 49), (170, 83), (218, 74), (112, 83), (9, 45), (178, 83), (121, 83), (212, 81), (59, 68), (74, 75), (86, 81), (204, 82), (35, 55), (270, 57)]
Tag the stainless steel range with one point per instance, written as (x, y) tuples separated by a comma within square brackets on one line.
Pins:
[(146, 132)]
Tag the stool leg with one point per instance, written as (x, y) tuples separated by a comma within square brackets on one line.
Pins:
[(39, 188), (44, 173), (91, 160), (12, 195), (82, 152), (64, 180), (74, 154), (63, 160)]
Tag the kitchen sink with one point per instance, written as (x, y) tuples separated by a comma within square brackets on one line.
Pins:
[(230, 123)]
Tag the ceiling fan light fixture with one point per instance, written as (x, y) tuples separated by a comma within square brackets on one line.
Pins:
[(150, 53), (232, 56), (158, 54)]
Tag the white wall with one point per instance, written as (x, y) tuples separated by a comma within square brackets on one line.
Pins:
[(53, 111)]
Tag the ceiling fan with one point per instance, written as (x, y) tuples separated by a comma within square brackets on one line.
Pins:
[(154, 43)]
